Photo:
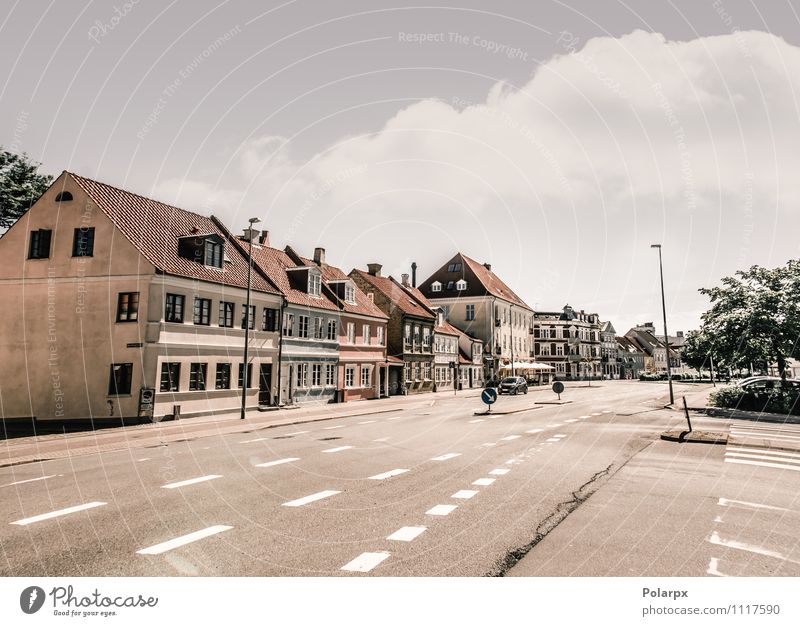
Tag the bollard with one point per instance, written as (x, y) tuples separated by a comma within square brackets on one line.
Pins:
[(686, 412)]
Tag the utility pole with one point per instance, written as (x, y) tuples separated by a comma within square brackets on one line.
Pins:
[(245, 381), (666, 333)]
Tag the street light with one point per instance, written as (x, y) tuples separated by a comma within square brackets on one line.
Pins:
[(664, 312), (250, 231)]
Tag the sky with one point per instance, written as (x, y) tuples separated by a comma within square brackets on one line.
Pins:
[(555, 140)]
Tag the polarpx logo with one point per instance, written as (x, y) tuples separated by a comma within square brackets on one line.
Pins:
[(67, 603), (31, 599)]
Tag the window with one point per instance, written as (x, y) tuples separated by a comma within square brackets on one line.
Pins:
[(416, 334), (213, 256), (454, 267), (350, 376), (128, 307), (202, 311), (64, 196), (426, 337), (436, 286), (417, 371), (450, 284), (366, 333), (407, 372), (250, 320), (330, 375), (428, 371), (170, 376), (288, 324), (318, 324), (470, 314), (316, 375), (226, 314), (407, 334), (83, 241), (223, 376), (366, 375), (350, 294), (438, 373), (461, 285), (173, 309), (332, 330), (197, 376), (314, 284), (381, 331), (119, 379), (40, 244), (302, 326), (269, 320), (302, 375), (351, 332), (249, 375)]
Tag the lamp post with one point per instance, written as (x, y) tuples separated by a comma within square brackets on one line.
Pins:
[(250, 230), (664, 312)]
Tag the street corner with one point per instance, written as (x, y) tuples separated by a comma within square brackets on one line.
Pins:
[(695, 436)]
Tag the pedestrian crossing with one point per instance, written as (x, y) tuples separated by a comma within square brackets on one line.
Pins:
[(771, 446)]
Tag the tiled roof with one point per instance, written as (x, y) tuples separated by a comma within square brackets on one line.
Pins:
[(154, 229), (447, 329), (398, 296), (363, 305)]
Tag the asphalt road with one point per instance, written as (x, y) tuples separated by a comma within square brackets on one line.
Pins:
[(431, 489)]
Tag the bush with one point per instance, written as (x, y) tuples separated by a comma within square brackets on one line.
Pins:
[(784, 401), (647, 376)]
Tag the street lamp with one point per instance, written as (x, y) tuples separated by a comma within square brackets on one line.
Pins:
[(664, 312), (250, 232)]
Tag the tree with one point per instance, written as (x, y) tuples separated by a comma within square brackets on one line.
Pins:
[(697, 350), (20, 186), (754, 316)]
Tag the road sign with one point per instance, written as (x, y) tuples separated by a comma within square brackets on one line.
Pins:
[(558, 387), (489, 396), (146, 402)]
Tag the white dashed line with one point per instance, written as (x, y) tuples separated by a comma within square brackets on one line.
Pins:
[(475, 421), (464, 494), (716, 540), (339, 449), (552, 440), (367, 422), (191, 481), (488, 445), (595, 414), (606, 411), (510, 437), (446, 457), (571, 421), (254, 440), (790, 455), (767, 456), (442, 509), (333, 427), (143, 459), (29, 480), (299, 432), (748, 505), (394, 418), (794, 468), (584, 417), (499, 472), (389, 474), (559, 436), (382, 439), (278, 462), (533, 431), (365, 562), (312, 498), (182, 541), (407, 533), (556, 425), (59, 513), (483, 482)]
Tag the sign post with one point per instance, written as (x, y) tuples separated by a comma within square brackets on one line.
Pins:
[(558, 387), (489, 397), (146, 402)]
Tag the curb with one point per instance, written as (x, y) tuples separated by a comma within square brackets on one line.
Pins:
[(531, 408), (695, 436)]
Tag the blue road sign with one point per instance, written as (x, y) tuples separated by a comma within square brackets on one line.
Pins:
[(489, 395)]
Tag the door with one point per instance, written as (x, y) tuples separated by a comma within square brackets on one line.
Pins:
[(265, 384), (383, 391)]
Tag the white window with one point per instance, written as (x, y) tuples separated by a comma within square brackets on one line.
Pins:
[(366, 374), (380, 335), (302, 375), (416, 334), (288, 324), (318, 328), (314, 284), (332, 330), (427, 371), (461, 285), (302, 326), (438, 374), (407, 334), (350, 376), (470, 312), (426, 337), (417, 371), (350, 294), (330, 375), (436, 286), (351, 332), (365, 330)]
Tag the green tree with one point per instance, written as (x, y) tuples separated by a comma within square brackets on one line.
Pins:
[(754, 316), (697, 351), (20, 186)]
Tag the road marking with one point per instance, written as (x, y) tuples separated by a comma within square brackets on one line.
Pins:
[(367, 422), (488, 445), (764, 427), (464, 494), (748, 505), (606, 411), (595, 414), (493, 417), (795, 468), (483, 482), (299, 432), (584, 417), (499, 472), (556, 425), (552, 440), (182, 541), (764, 457), (59, 513), (191, 481), (333, 427), (389, 474), (442, 509), (716, 540), (365, 562), (533, 431), (278, 462), (29, 480), (770, 451), (253, 440), (407, 533), (312, 498), (143, 459), (571, 421), (475, 421), (712, 568), (339, 449), (559, 436), (718, 519), (446, 457), (382, 439), (394, 418), (753, 434), (510, 438)]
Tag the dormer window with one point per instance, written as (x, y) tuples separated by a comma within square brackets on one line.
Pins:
[(454, 267), (436, 286), (350, 294), (64, 196), (206, 249), (213, 253), (461, 285), (314, 284), (450, 285)]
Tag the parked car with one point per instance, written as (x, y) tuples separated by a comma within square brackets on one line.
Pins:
[(757, 384), (513, 385)]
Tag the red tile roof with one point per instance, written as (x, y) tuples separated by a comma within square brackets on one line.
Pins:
[(447, 329), (398, 296), (154, 229), (363, 305)]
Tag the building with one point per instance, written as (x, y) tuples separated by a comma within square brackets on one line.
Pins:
[(116, 305), (470, 360), (569, 341), (476, 301), (446, 362), (609, 350), (655, 351), (409, 331), (631, 358)]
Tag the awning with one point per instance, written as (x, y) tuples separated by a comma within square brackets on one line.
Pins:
[(527, 365)]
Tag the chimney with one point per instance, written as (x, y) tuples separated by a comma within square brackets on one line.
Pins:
[(374, 269), (404, 280), (488, 266), (249, 234), (414, 274), (680, 333), (319, 256), (263, 238)]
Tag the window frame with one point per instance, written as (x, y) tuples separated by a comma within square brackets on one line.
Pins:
[(130, 313), (170, 316), (37, 236), (227, 310), (81, 235), (250, 319), (198, 376), (222, 375), (173, 383), (200, 317), (113, 387)]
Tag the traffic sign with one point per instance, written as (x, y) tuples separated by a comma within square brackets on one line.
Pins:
[(489, 395), (558, 387)]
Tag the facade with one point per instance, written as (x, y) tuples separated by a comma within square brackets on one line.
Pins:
[(446, 365), (119, 306), (631, 358), (470, 361), (409, 332), (569, 341), (478, 303), (656, 353), (609, 349)]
